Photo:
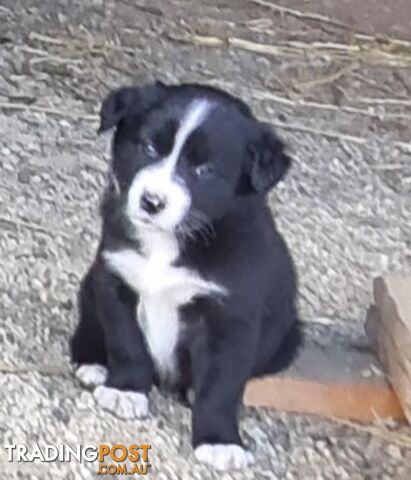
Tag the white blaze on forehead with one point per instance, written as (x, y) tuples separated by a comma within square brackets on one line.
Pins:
[(194, 116)]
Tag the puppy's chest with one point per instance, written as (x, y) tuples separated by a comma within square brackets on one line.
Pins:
[(162, 288), (156, 276)]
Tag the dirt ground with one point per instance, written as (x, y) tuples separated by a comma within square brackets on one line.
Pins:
[(336, 84)]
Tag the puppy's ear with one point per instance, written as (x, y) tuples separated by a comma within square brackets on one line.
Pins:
[(128, 99), (268, 163)]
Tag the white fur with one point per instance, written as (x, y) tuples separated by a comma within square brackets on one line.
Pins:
[(159, 179), (162, 288), (114, 182), (122, 403), (195, 115), (91, 375), (190, 396), (224, 456)]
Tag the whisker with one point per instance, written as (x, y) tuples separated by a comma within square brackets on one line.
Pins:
[(197, 224)]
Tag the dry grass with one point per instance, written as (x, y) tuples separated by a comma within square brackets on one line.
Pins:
[(300, 15), (47, 110), (367, 51), (260, 94), (346, 58)]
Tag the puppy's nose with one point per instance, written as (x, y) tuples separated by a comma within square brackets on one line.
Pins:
[(152, 203)]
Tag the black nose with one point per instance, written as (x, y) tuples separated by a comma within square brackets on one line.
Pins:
[(152, 203)]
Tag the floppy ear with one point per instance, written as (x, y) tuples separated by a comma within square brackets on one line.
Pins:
[(128, 99), (269, 163)]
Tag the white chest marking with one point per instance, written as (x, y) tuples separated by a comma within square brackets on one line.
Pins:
[(162, 289)]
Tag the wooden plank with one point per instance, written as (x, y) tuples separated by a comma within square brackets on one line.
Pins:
[(362, 402), (388, 327), (330, 382)]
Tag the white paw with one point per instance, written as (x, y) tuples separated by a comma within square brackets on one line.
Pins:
[(224, 456), (91, 375), (124, 404)]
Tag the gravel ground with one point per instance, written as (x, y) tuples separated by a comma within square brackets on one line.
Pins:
[(345, 208)]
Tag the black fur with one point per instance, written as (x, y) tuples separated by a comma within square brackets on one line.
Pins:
[(254, 330)]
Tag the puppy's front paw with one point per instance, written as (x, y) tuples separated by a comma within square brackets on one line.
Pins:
[(224, 456), (124, 404), (92, 375)]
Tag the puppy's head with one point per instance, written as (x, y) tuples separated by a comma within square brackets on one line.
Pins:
[(184, 155)]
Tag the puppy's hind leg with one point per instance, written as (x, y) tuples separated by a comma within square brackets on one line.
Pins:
[(87, 346)]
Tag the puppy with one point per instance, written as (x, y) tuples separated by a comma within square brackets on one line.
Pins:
[(192, 285)]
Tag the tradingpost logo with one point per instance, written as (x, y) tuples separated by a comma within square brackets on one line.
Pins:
[(117, 459)]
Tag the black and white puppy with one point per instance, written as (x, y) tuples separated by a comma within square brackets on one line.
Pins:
[(192, 285)]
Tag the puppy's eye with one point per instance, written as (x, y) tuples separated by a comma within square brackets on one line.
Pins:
[(204, 170), (150, 150)]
